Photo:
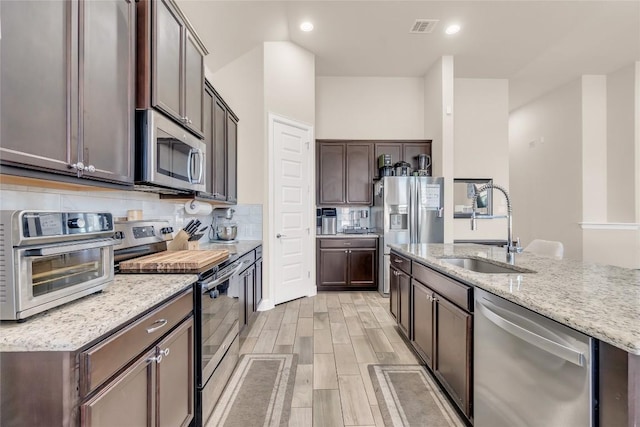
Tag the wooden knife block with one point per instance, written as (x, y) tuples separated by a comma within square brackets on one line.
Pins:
[(181, 243)]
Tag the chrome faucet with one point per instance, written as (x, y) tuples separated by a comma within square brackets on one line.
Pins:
[(510, 246)]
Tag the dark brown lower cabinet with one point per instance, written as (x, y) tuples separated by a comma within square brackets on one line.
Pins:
[(249, 280), (393, 293), (347, 264), (453, 333), (423, 321), (404, 303), (156, 390)]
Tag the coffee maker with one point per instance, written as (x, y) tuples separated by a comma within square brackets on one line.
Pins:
[(385, 165)]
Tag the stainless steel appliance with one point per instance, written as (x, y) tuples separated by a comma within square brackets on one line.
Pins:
[(217, 310), (329, 221), (51, 258), (406, 210), (169, 159), (223, 229), (529, 370)]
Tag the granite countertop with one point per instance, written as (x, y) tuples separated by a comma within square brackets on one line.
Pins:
[(347, 236), (599, 300), (74, 325), (79, 323), (240, 248)]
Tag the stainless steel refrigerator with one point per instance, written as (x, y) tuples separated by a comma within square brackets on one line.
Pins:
[(407, 209)]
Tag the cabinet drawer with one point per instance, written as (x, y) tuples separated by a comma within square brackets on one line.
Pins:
[(259, 252), (103, 360), (456, 292), (401, 263), (248, 260), (348, 243)]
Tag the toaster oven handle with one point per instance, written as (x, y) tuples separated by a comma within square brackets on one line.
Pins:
[(208, 286), (66, 248)]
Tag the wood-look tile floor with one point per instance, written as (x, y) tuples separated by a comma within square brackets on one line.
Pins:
[(336, 336)]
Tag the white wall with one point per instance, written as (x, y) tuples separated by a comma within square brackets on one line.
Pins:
[(545, 160), (438, 126), (369, 108), (241, 84), (621, 117), (481, 148)]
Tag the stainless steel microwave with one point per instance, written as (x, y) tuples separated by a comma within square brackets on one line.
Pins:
[(167, 155)]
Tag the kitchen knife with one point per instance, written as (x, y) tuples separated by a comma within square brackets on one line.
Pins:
[(189, 224)]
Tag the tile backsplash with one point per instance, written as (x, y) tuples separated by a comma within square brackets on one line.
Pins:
[(248, 217)]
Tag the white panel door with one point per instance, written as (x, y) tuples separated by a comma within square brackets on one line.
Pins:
[(292, 209)]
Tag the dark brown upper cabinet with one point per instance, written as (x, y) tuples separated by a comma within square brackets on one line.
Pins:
[(344, 173), (170, 68), (75, 119), (221, 138)]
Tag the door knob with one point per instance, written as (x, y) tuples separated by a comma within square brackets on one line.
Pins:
[(280, 235)]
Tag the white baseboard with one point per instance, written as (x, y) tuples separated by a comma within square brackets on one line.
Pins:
[(265, 305)]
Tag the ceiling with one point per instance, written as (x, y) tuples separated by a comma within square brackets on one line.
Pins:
[(536, 45)]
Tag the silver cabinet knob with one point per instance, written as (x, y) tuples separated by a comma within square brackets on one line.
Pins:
[(90, 168), (164, 352), (77, 166)]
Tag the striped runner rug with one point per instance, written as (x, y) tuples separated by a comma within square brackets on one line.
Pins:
[(258, 393), (408, 396)]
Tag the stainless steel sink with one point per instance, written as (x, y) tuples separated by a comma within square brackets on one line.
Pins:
[(482, 266)]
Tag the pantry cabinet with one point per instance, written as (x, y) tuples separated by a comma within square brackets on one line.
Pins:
[(170, 64), (77, 118)]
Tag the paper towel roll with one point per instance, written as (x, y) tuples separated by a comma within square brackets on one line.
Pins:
[(197, 208)]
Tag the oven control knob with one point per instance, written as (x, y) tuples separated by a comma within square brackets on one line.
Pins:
[(214, 293), (166, 230), (118, 235), (75, 223)]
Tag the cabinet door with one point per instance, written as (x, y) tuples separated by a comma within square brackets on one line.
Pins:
[(107, 40), (167, 60), (175, 406), (331, 177), (208, 138), (258, 293), (358, 174), (219, 150), (404, 303), (193, 84), (250, 286), (411, 151), (362, 267), (422, 308), (394, 288), (38, 84), (332, 267), (128, 400), (232, 159), (395, 149), (453, 351)]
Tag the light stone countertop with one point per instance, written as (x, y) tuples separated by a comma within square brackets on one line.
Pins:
[(79, 323), (599, 300)]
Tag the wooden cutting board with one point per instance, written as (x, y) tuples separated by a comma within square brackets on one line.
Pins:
[(175, 261)]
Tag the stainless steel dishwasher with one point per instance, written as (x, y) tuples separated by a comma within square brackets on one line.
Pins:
[(529, 370)]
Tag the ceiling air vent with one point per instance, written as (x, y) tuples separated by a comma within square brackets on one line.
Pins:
[(423, 26)]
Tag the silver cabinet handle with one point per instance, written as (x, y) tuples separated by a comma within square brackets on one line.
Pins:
[(160, 323), (77, 166), (164, 352), (398, 261), (280, 235), (157, 359)]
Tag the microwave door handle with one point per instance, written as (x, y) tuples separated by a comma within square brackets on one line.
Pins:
[(190, 164), (63, 249), (201, 163)]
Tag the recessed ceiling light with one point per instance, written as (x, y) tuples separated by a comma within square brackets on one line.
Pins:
[(306, 26), (452, 29)]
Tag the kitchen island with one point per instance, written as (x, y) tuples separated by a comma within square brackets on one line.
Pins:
[(602, 302)]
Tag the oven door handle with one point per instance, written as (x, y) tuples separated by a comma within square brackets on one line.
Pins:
[(66, 248), (208, 286)]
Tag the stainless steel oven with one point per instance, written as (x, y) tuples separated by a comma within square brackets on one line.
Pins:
[(167, 155), (51, 258), (217, 308)]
